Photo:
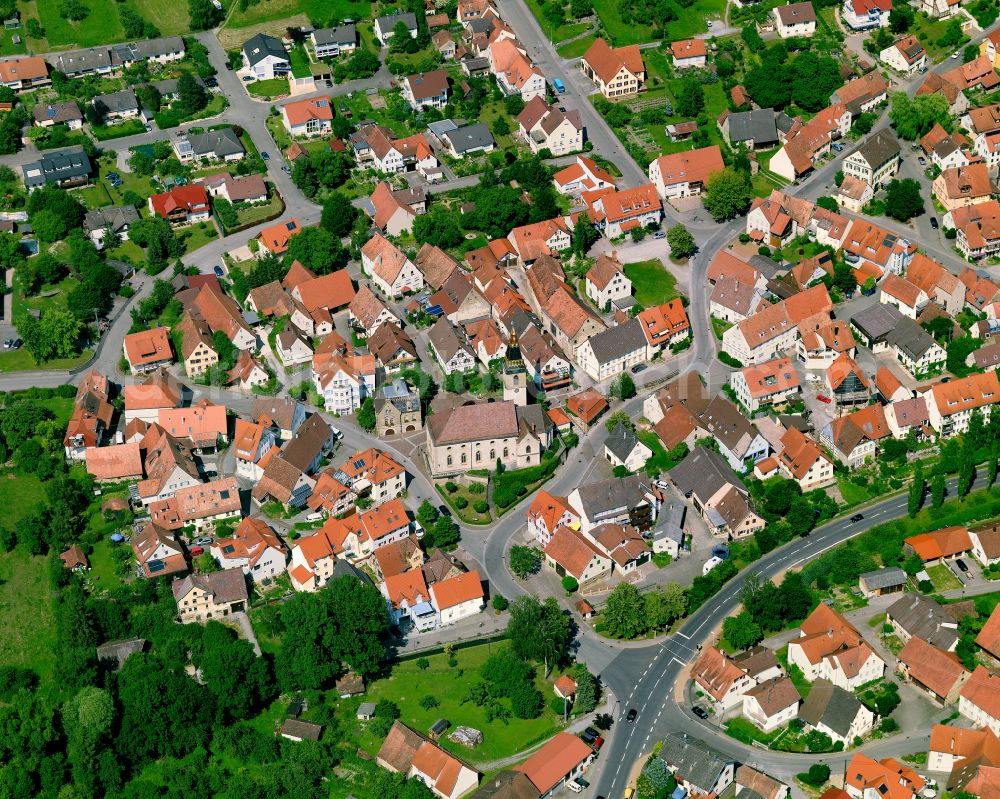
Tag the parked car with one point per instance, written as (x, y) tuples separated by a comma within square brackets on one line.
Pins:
[(857, 517), (218, 271), (659, 234), (265, 156), (934, 222), (921, 160), (632, 715), (196, 551), (574, 786), (445, 510), (824, 398), (837, 147), (639, 367), (17, 344), (8, 343), (700, 712), (962, 566), (596, 745), (204, 540), (248, 78)]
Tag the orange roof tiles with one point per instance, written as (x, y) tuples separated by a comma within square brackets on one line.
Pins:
[(607, 62), (117, 462), (690, 166), (587, 405), (301, 111), (983, 691), (571, 550), (715, 672), (559, 756), (688, 48), (932, 668), (148, 346), (944, 543), (457, 590), (275, 238)]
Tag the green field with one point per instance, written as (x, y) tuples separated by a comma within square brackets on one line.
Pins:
[(652, 283), (944, 579), (576, 49), (689, 22), (407, 685), (170, 16), (268, 88), (27, 623), (99, 27), (320, 12)]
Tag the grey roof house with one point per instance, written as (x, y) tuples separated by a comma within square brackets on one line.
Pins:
[(118, 105), (469, 139), (67, 113), (695, 765), (836, 712), (69, 167), (617, 500), (116, 218), (758, 128), (259, 48), (921, 616), (873, 324), (331, 42), (623, 448), (613, 350), (222, 144), (882, 581)]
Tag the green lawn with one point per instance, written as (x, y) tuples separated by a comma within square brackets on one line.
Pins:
[(576, 49), (560, 34), (61, 407), (47, 297), (689, 22), (660, 461), (720, 326), (102, 565), (300, 62), (96, 196), (852, 493), (268, 88), (198, 236), (258, 213), (928, 31), (466, 514), (21, 361), (100, 26), (407, 685), (944, 579), (7, 46), (320, 12), (27, 620), (130, 127), (652, 283), (170, 16)]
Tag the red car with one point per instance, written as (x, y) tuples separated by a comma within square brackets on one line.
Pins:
[(597, 744), (196, 551), (823, 398)]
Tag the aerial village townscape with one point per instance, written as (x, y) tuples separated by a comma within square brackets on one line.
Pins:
[(500, 399)]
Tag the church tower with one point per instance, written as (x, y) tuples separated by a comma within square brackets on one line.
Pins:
[(515, 376)]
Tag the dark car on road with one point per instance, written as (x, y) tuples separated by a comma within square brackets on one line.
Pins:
[(632, 715), (639, 367), (589, 735), (857, 517), (962, 566), (934, 222), (700, 712)]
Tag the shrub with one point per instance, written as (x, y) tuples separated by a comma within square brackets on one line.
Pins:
[(450, 487), (817, 775), (500, 603), (481, 506), (461, 503), (423, 663), (569, 583), (475, 488), (429, 702)]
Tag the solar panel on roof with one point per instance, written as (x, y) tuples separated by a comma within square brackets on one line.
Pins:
[(289, 226), (228, 549), (224, 494), (155, 566)]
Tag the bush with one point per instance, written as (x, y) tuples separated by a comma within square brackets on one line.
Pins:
[(475, 488), (429, 702), (729, 360), (423, 663), (500, 603), (569, 583), (481, 506), (461, 503), (450, 487), (817, 775)]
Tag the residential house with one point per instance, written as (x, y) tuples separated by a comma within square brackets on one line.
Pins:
[(623, 448), (873, 251), (547, 513), (283, 482), (765, 385), (915, 615), (874, 160), (426, 89), (333, 42), (393, 349), (861, 15), (696, 766), (806, 142), (957, 187), (541, 238), (665, 325), (772, 703), (215, 145), (198, 505), (979, 699), (252, 443), (718, 495), (689, 53), (613, 351), (684, 174), (724, 683), (978, 228), (778, 219), (64, 168), (344, 382), (248, 373), (582, 175), (970, 757), (477, 435), (832, 710), (114, 463), (374, 474), (940, 285), (865, 778), (117, 106), (385, 26), (985, 540), (751, 783), (854, 193), (214, 595), (458, 597), (616, 72), (408, 753), (795, 19), (940, 674), (291, 347), (804, 461), (451, 352), (906, 56), (586, 407), (265, 58), (853, 439), (157, 551), (66, 113), (204, 425), (253, 547), (949, 405), (148, 350), (222, 314), (617, 212), (389, 268), (367, 312), (310, 117), (545, 127), (159, 390), (274, 239), (184, 205), (830, 648), (775, 328), (915, 348), (903, 295), (114, 218), (25, 72), (514, 71)]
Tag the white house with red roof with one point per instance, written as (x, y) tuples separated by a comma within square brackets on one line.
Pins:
[(253, 547), (547, 513), (615, 212), (389, 268), (689, 53), (862, 15), (546, 127), (458, 597), (183, 205), (684, 174), (583, 175), (310, 117)]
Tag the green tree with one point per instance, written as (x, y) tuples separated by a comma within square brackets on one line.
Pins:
[(570, 584), (937, 490), (538, 630), (817, 775), (843, 278), (623, 387), (338, 214), (904, 199), (742, 631), (585, 235), (681, 242), (624, 612), (426, 514), (991, 473), (915, 499), (966, 471), (524, 561), (901, 18), (689, 99), (241, 682), (317, 249), (915, 117), (586, 690), (619, 417), (727, 194), (202, 15), (366, 414)]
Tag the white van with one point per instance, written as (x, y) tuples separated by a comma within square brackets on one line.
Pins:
[(710, 564)]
